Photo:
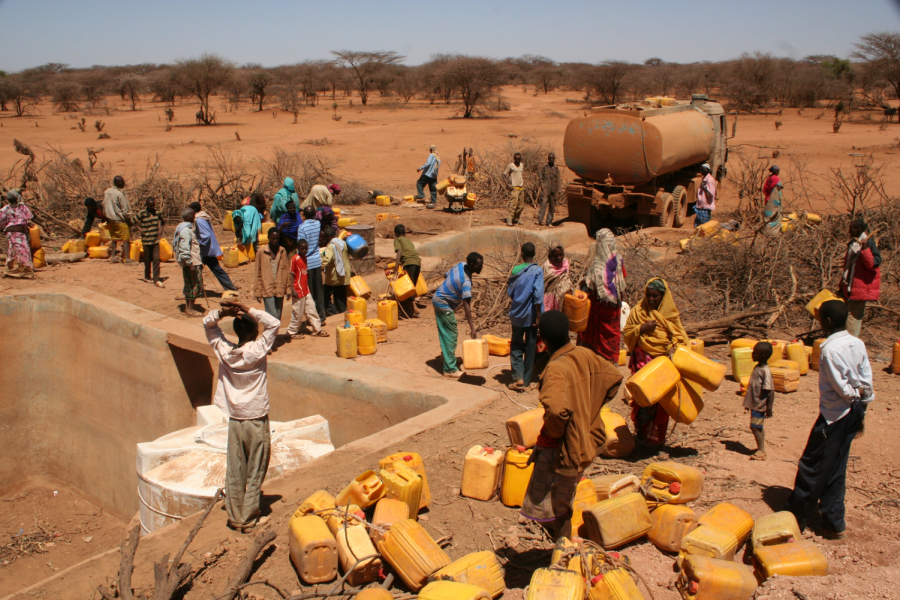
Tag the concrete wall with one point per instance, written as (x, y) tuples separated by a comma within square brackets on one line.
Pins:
[(86, 378)]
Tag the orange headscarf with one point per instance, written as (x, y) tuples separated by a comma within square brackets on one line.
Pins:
[(669, 331)]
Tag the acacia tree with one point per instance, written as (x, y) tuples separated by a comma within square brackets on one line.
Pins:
[(131, 85), (608, 80), (364, 67), (201, 78), (65, 95), (881, 53), (21, 95), (93, 85), (258, 83), (473, 80), (541, 72)]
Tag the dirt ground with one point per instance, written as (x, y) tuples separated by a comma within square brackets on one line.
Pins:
[(383, 144)]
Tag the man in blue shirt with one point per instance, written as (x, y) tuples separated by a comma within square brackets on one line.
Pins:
[(526, 291), (429, 177), (456, 290), (309, 231), (209, 246), (290, 221)]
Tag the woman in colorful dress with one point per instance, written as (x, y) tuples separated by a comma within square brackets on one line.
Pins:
[(605, 285), (557, 279), (14, 218)]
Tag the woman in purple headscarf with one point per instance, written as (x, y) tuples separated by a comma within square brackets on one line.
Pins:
[(605, 283), (327, 217)]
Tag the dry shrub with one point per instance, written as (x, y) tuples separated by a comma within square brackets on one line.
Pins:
[(490, 183)]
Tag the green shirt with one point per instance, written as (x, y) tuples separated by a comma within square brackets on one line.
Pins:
[(408, 254)]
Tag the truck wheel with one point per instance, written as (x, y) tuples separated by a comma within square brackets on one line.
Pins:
[(667, 217), (680, 200)]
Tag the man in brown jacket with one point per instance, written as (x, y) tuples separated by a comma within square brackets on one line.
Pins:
[(273, 275), (574, 387)]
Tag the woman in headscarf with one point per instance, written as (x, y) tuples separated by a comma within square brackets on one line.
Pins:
[(557, 279), (605, 284), (653, 329), (326, 216), (14, 218)]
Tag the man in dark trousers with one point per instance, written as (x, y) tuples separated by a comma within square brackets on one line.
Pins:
[(549, 176), (861, 276), (210, 251), (845, 390), (151, 224)]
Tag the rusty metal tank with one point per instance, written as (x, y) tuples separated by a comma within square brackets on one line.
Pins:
[(634, 146)]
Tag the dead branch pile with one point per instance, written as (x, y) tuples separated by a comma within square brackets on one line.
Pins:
[(490, 183), (25, 544)]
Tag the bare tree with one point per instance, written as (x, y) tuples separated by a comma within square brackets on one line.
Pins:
[(201, 78), (363, 67), (259, 81), (93, 86), (66, 95), (131, 86), (541, 72), (163, 86), (473, 80), (881, 52), (21, 95), (608, 80)]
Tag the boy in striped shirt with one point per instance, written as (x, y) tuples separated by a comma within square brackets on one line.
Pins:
[(151, 224), (456, 290)]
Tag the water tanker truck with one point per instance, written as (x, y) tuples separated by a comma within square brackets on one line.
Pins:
[(642, 161)]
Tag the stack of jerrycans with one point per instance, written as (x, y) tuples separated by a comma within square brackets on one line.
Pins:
[(778, 549), (719, 534)]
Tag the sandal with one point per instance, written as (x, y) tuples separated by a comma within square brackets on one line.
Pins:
[(322, 334), (297, 336)]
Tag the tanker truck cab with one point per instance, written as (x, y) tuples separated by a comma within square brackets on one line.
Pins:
[(641, 162)]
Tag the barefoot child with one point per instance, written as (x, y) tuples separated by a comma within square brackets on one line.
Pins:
[(760, 396), (303, 302)]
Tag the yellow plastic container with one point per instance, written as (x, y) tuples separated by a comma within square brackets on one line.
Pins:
[(703, 578), (725, 516), (669, 524), (374, 593), (895, 362), (345, 222), (92, 239), (479, 568), (813, 218), (698, 368), (353, 543), (619, 439), (777, 350), (228, 221), (403, 288), (684, 402), (617, 584), (797, 559), (34, 237), (317, 501), (617, 521), (382, 200), (39, 258), (611, 486), (697, 346), (476, 354), (414, 462), (346, 342), (498, 346), (409, 198), (359, 287), (816, 352), (380, 329), (166, 253), (342, 516), (708, 229), (706, 541), (336, 210), (577, 306), (785, 364), (359, 305), (743, 343), (98, 252), (523, 429), (470, 200), (364, 491), (412, 553), (516, 475), (104, 232), (653, 381), (387, 313), (742, 364), (481, 473), (547, 584), (672, 482), (812, 307), (403, 484), (366, 344), (623, 357), (77, 246), (313, 549), (387, 512), (354, 317), (796, 352), (585, 497), (231, 258), (421, 286), (442, 186), (452, 590), (776, 528)]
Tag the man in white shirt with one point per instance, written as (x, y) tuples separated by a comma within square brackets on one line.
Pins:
[(242, 393), (515, 183), (845, 390)]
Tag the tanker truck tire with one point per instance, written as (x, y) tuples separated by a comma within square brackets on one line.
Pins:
[(667, 217), (680, 200)]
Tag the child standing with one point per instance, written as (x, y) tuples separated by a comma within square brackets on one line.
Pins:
[(273, 280), (303, 303), (760, 397), (408, 258)]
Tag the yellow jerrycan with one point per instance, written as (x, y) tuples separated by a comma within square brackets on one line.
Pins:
[(98, 252), (619, 439), (698, 347), (816, 352), (552, 584), (92, 239), (382, 200), (778, 347), (414, 462), (610, 486), (39, 258), (704, 578), (316, 502), (359, 287), (672, 482), (387, 512), (421, 286), (231, 258), (479, 568), (796, 559), (684, 402), (34, 237), (585, 497), (366, 343), (342, 516), (743, 343), (476, 354), (700, 369), (670, 523), (166, 253), (706, 541), (742, 364), (653, 381), (135, 249), (481, 473), (452, 590), (796, 352), (354, 317), (364, 491), (387, 313), (380, 329), (498, 346), (403, 484), (374, 593), (725, 516), (895, 362), (313, 549), (358, 304), (412, 553), (403, 288), (577, 306), (523, 429), (617, 521), (776, 528), (353, 544), (617, 584), (516, 475), (346, 342)]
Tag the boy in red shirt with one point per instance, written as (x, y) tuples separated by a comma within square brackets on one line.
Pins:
[(303, 304)]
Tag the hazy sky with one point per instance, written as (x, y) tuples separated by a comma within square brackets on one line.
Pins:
[(105, 32)]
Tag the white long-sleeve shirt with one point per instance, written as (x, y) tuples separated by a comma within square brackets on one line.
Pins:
[(242, 392), (845, 375)]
